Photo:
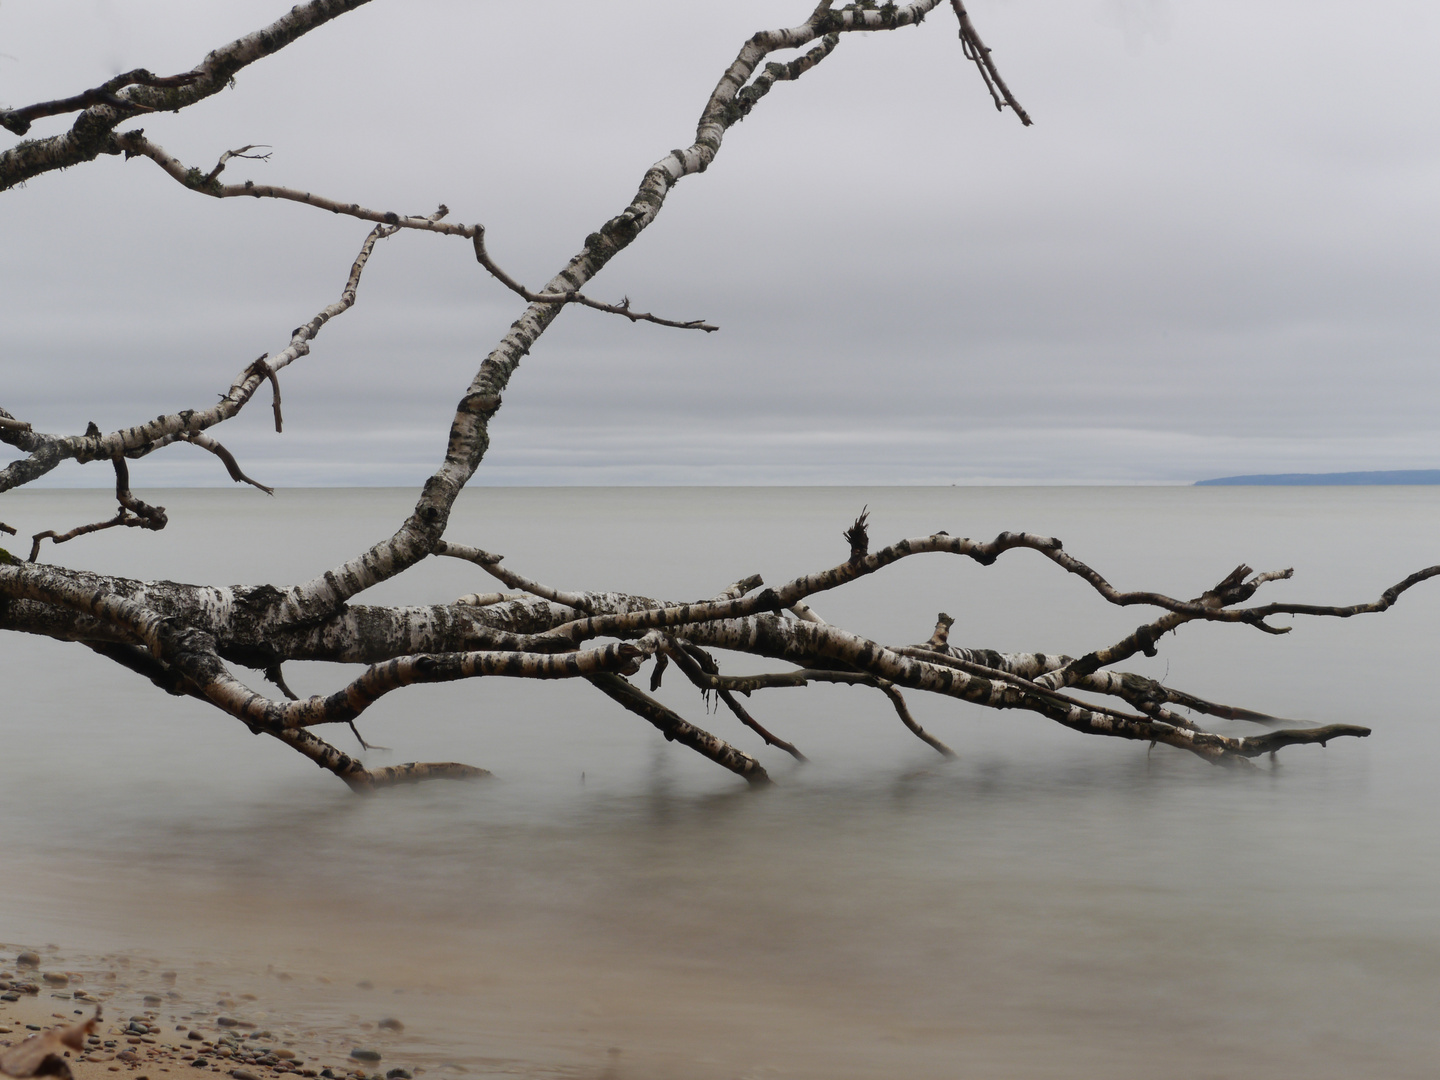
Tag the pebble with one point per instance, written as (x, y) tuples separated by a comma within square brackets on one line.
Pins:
[(28, 959), (391, 1024), (399, 1074), (360, 1054), (56, 978), (227, 1021), (243, 1074)]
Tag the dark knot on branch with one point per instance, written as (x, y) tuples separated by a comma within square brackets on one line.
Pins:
[(858, 536)]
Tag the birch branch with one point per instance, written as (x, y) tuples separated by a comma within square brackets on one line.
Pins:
[(89, 136)]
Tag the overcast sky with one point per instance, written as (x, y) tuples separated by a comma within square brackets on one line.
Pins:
[(1215, 252)]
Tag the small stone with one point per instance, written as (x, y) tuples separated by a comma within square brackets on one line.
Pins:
[(168, 976), (399, 1074), (5, 1030), (56, 978), (391, 1024), (227, 1021), (153, 999), (243, 1074), (283, 1053), (360, 1054), (194, 1035), (329, 1073), (200, 1063), (10, 996), (28, 959)]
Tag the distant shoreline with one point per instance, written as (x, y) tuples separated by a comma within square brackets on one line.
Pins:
[(1392, 477)]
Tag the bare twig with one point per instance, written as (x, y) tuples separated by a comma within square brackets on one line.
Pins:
[(133, 513), (205, 442), (697, 664), (979, 55), (134, 143), (269, 372), (901, 710), (491, 565), (574, 296)]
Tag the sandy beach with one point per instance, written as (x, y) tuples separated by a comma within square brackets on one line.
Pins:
[(159, 1021)]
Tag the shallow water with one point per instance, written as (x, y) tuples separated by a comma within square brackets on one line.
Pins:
[(1049, 905)]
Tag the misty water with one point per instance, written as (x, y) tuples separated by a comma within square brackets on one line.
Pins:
[(610, 905)]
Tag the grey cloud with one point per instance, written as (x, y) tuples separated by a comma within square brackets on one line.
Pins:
[(1212, 254)]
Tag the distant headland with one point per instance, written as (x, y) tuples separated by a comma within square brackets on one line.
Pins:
[(1393, 476)]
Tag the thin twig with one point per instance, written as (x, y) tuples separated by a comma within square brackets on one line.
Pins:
[(205, 442), (901, 710), (491, 565), (977, 53), (133, 513), (697, 664), (573, 297)]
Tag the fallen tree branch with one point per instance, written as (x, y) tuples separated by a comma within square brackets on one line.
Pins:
[(189, 640)]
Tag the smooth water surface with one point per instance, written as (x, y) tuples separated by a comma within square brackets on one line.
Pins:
[(1049, 905)]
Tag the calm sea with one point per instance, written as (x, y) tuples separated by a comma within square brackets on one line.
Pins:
[(609, 905)]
